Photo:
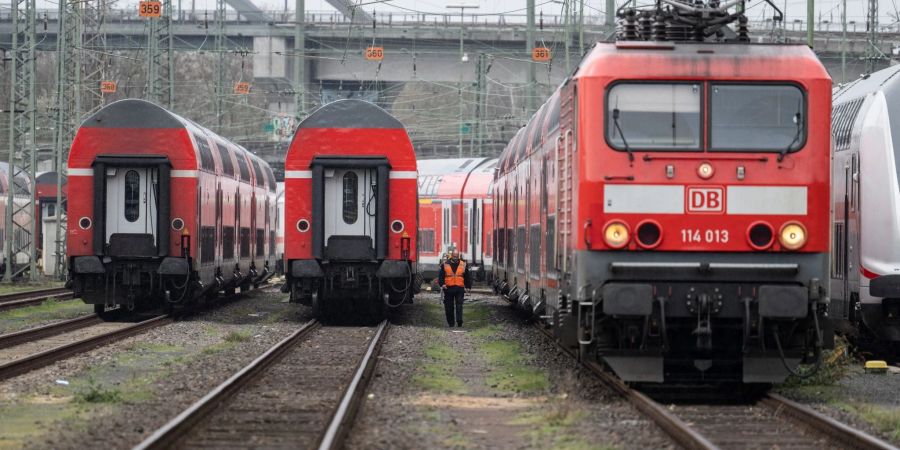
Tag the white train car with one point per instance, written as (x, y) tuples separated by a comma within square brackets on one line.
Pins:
[(865, 261)]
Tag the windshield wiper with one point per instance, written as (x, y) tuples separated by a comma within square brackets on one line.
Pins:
[(619, 129), (785, 150)]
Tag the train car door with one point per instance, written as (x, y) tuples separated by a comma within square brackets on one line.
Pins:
[(131, 201), (350, 202)]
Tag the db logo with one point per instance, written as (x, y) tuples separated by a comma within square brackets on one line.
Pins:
[(706, 199)]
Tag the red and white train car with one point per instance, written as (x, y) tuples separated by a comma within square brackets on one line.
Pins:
[(163, 212), (666, 211), (450, 190), (350, 212)]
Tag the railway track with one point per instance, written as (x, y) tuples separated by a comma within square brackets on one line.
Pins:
[(773, 422), (28, 298), (301, 393), (55, 342)]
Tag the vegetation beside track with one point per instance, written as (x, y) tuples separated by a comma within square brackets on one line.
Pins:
[(50, 310)]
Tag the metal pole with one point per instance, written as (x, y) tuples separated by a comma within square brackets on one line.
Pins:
[(462, 30), (610, 13), (532, 70), (220, 64), (580, 27), (844, 41), (810, 24), (299, 59), (566, 36)]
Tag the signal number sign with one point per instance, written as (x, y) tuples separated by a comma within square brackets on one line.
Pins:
[(540, 54), (108, 87), (375, 53), (150, 9), (242, 88)]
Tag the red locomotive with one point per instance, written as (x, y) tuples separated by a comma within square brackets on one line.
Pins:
[(666, 211), (350, 212), (450, 189), (163, 211)]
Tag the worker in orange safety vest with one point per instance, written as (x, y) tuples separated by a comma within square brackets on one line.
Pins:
[(455, 280)]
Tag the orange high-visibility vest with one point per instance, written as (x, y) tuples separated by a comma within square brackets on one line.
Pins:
[(454, 279)]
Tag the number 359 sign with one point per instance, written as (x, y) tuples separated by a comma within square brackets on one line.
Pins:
[(150, 9)]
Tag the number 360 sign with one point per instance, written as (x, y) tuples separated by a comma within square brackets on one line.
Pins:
[(150, 9)]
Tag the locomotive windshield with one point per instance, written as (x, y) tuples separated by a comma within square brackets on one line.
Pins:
[(654, 116), (756, 118)]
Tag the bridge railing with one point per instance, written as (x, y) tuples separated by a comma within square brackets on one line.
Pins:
[(330, 18)]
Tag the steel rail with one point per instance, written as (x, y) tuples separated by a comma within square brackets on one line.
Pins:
[(169, 434), (677, 429), (345, 413), (847, 436), (26, 298), (52, 355), (686, 437), (51, 329)]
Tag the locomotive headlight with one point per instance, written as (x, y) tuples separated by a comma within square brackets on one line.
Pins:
[(616, 234), (792, 236)]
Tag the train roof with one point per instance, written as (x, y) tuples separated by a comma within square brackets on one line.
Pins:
[(376, 134), (198, 144), (697, 60), (350, 113), (885, 80), (473, 173)]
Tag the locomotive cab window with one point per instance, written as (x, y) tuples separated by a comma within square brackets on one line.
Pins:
[(761, 117), (654, 116)]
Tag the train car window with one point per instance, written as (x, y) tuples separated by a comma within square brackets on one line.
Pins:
[(245, 242), (206, 158), (260, 179), (760, 117), (272, 185), (654, 116), (426, 240), (225, 156), (843, 117), (553, 115), (260, 242), (522, 145), (550, 257), (132, 196), (351, 198), (538, 128), (207, 244), (520, 249), (534, 255), (227, 243), (271, 243), (242, 165)]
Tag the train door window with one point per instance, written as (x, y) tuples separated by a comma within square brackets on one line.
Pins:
[(839, 255), (51, 210), (131, 201), (854, 181), (271, 243), (350, 198), (454, 214), (550, 255), (132, 195)]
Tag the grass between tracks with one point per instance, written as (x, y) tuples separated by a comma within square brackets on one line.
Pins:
[(23, 287), (50, 310)]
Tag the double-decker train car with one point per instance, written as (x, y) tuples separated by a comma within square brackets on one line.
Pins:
[(163, 212), (450, 190), (865, 264), (666, 211), (350, 212)]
